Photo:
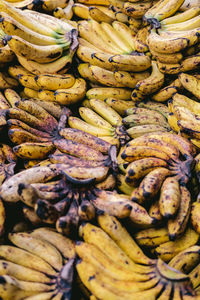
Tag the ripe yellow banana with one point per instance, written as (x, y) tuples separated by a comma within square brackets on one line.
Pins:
[(118, 105), (140, 130), (136, 10), (55, 81), (152, 237), (33, 150), (6, 54), (173, 43), (168, 250), (154, 211), (104, 76), (89, 116), (52, 67), (186, 260), (102, 93), (130, 79), (181, 17), (167, 92), (191, 83)]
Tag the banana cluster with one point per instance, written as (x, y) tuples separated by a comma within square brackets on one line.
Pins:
[(37, 265), (42, 43), (158, 166), (63, 89), (112, 266), (175, 45)]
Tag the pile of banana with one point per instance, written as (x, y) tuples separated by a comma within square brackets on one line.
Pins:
[(99, 150)]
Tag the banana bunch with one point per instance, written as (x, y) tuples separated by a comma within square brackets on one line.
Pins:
[(157, 241), (63, 89), (160, 177), (109, 53), (100, 120), (42, 43), (112, 266), (37, 265), (184, 117), (143, 119)]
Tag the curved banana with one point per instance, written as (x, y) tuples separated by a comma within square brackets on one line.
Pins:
[(102, 93)]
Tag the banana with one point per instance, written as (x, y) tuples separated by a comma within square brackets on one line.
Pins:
[(49, 5), (81, 10), (102, 93), (85, 138), (33, 150), (181, 17), (187, 25), (12, 27), (120, 208), (172, 120), (28, 81), (71, 95), (140, 40), (167, 58), (189, 4), (170, 197), (168, 9), (123, 186), (95, 2), (130, 79), (169, 68), (55, 81), (106, 112), (186, 260), (150, 185), (140, 130), (136, 10), (37, 53), (9, 189), (99, 173), (86, 73), (184, 101), (152, 237), (104, 77), (53, 108), (191, 83), (190, 63), (140, 217), (168, 250), (52, 67), (118, 105), (100, 16), (132, 63), (154, 211), (133, 153), (66, 12), (18, 136), (167, 92), (195, 216), (194, 276), (97, 58), (173, 43), (78, 149)]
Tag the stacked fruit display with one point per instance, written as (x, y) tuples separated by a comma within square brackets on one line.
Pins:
[(99, 149)]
